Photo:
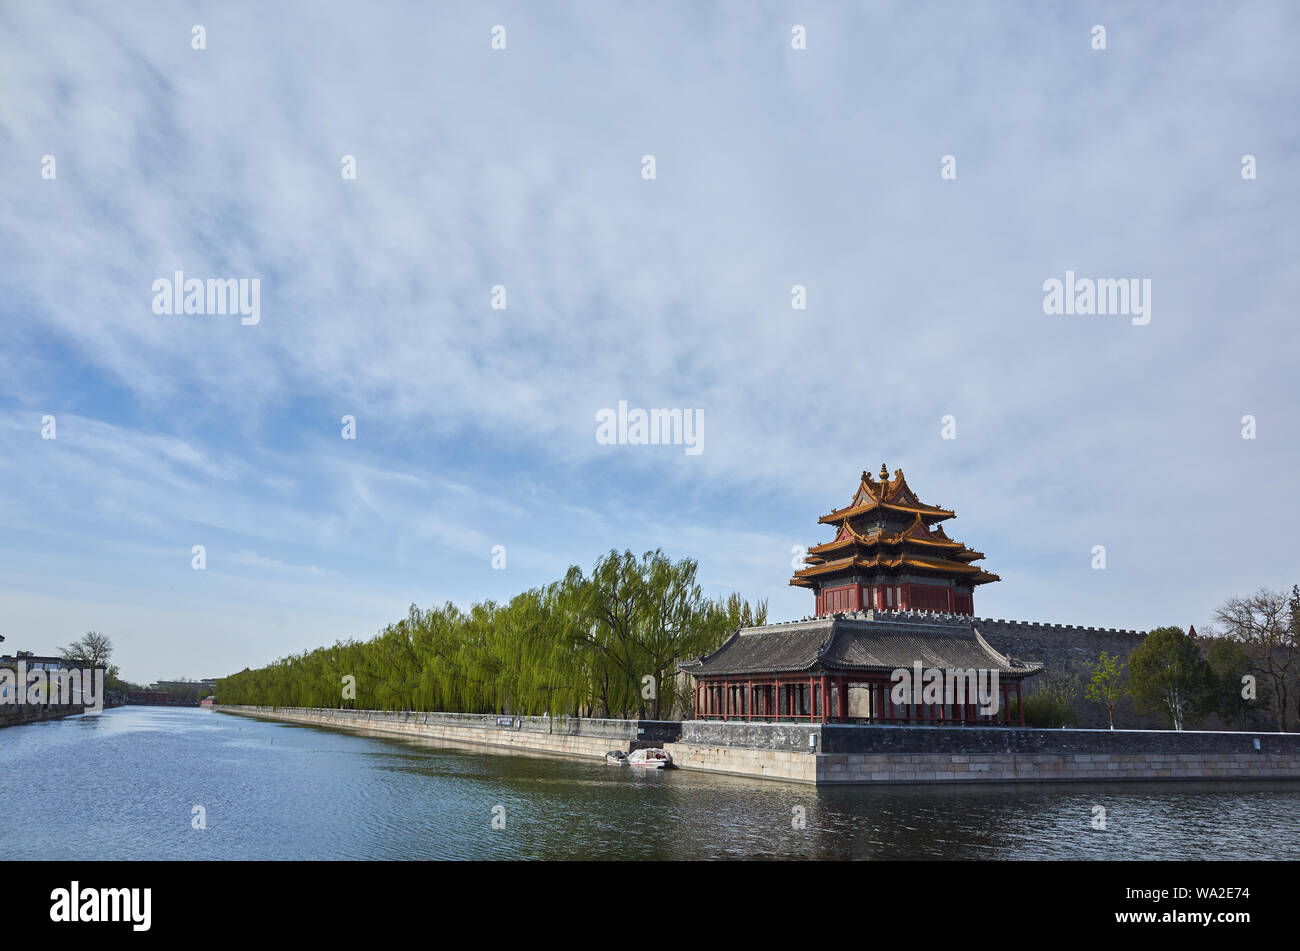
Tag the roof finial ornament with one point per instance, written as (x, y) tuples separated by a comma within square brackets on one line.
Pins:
[(884, 473)]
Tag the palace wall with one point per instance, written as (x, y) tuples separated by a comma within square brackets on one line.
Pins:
[(1065, 649)]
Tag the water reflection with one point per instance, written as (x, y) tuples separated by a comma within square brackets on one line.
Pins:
[(123, 785)]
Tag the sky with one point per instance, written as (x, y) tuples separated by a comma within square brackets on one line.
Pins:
[(524, 168)]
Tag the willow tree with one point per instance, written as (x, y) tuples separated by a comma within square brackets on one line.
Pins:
[(608, 641)]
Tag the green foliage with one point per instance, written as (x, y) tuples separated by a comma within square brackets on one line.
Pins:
[(1170, 677), (1229, 664), (1107, 684), (1051, 705), (600, 645)]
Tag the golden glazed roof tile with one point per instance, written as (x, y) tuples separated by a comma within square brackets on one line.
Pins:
[(909, 545)]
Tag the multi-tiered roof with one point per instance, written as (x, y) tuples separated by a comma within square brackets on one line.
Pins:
[(886, 532)]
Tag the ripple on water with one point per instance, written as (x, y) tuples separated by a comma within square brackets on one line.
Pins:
[(124, 784)]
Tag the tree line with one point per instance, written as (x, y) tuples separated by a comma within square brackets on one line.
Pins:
[(598, 644), (1245, 672)]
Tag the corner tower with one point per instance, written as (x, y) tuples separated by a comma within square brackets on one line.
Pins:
[(890, 552)]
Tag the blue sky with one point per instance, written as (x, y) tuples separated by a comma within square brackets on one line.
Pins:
[(523, 167)]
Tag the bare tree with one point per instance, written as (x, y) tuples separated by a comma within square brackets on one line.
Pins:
[(1265, 624), (92, 650)]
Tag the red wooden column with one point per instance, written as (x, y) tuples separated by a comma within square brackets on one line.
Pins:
[(1020, 707)]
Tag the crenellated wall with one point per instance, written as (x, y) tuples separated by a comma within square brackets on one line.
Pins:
[(1065, 649)]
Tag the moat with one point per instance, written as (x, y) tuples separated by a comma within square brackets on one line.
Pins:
[(125, 784)]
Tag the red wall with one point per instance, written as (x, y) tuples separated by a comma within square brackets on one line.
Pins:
[(916, 597)]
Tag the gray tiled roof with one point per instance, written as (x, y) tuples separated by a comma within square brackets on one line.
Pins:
[(773, 647), (858, 643)]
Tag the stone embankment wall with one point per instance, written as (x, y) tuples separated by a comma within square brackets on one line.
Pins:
[(16, 714), (832, 754), (562, 735), (838, 754)]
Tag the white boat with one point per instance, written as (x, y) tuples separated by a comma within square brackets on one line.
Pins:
[(650, 759), (616, 758)]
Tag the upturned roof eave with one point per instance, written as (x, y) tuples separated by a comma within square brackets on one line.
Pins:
[(934, 512)]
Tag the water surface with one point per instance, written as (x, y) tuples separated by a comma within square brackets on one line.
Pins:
[(124, 785)]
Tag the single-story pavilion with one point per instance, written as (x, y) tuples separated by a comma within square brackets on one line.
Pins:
[(803, 671)]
